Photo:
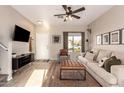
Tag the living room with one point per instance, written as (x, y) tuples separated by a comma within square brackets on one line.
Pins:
[(100, 29)]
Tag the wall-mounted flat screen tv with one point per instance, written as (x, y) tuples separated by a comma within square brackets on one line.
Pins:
[(21, 34)]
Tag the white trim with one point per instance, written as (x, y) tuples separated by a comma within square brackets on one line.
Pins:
[(9, 78), (3, 47)]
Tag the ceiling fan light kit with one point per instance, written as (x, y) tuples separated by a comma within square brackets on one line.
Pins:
[(70, 17), (69, 14)]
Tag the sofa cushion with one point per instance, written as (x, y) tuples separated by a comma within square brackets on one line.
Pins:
[(102, 61), (103, 53), (89, 56), (96, 52), (106, 76), (86, 53), (117, 70), (82, 59)]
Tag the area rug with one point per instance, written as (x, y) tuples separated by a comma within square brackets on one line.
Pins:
[(52, 78)]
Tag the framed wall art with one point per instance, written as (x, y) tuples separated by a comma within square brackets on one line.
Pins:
[(98, 39), (105, 39), (115, 37), (56, 39)]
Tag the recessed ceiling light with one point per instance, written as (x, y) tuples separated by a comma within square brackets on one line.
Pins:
[(39, 22)]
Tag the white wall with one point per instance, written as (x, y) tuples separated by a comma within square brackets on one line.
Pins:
[(111, 20), (8, 18), (45, 49)]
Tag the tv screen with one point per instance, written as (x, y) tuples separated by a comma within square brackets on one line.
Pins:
[(21, 34)]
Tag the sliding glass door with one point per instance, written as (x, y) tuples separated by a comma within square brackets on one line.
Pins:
[(74, 42)]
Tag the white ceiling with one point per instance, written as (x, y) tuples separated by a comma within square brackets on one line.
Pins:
[(46, 12)]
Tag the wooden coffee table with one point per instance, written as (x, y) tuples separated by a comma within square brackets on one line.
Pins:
[(72, 65)]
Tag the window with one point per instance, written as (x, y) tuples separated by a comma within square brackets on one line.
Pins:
[(74, 42)]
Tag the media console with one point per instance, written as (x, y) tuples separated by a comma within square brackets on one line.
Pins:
[(22, 60)]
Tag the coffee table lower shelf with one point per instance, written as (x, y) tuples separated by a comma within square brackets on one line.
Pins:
[(74, 66), (83, 76)]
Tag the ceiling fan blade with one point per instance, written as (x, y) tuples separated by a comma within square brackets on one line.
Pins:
[(65, 20), (78, 10), (65, 7), (77, 17), (69, 9), (59, 14)]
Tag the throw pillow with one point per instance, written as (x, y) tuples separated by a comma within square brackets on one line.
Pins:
[(89, 56), (91, 51), (103, 53), (111, 61), (96, 52), (102, 61), (86, 53)]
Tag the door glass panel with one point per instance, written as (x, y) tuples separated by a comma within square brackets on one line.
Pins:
[(74, 42), (77, 43)]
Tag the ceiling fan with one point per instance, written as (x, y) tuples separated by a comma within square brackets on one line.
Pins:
[(69, 13)]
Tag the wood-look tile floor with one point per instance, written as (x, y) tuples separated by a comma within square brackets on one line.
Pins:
[(30, 75), (45, 74)]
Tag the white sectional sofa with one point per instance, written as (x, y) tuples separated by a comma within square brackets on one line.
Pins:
[(106, 79)]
